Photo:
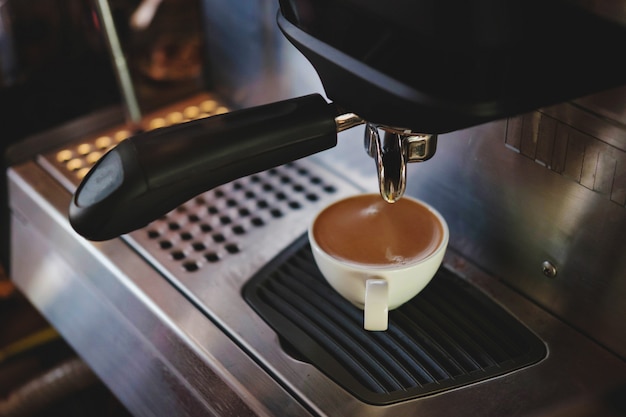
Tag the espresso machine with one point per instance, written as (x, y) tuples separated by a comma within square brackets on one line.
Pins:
[(168, 247)]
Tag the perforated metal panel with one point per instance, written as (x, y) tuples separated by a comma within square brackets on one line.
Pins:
[(217, 224)]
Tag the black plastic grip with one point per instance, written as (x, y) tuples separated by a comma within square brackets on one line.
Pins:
[(149, 174)]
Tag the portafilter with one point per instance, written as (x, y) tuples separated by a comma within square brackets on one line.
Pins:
[(409, 69)]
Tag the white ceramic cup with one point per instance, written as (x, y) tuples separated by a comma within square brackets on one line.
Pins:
[(379, 288)]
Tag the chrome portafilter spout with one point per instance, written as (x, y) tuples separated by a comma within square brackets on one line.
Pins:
[(392, 152)]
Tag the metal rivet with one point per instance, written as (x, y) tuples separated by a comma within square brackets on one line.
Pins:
[(548, 269)]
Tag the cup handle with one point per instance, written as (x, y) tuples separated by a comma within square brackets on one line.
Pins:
[(376, 309)]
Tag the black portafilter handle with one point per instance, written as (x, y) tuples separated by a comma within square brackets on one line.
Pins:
[(152, 173)]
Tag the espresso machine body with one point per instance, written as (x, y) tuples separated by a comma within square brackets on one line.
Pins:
[(378, 70), (529, 172), (436, 67)]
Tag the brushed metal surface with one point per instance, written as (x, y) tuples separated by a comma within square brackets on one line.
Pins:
[(510, 212), (199, 344), (544, 187), (156, 351)]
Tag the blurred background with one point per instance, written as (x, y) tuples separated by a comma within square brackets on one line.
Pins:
[(55, 66)]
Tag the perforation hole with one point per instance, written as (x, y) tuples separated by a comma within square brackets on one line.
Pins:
[(191, 266), (198, 246), (178, 255), (232, 248), (212, 257)]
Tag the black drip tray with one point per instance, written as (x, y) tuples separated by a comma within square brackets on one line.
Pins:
[(448, 336)]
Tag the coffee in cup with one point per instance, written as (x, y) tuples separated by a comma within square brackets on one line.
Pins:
[(378, 255)]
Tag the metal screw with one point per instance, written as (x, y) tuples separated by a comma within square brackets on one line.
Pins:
[(548, 269)]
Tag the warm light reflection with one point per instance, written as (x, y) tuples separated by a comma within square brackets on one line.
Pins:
[(80, 159), (64, 155), (74, 164), (120, 135), (103, 142), (175, 117), (191, 112), (93, 157), (81, 173), (157, 122), (84, 148), (208, 106)]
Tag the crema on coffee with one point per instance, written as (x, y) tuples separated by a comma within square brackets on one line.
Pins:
[(364, 229)]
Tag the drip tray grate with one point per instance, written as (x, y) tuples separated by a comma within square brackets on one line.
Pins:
[(448, 336)]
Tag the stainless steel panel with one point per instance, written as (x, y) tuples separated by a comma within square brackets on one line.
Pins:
[(155, 350), (250, 61), (532, 189), (177, 329), (535, 207)]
